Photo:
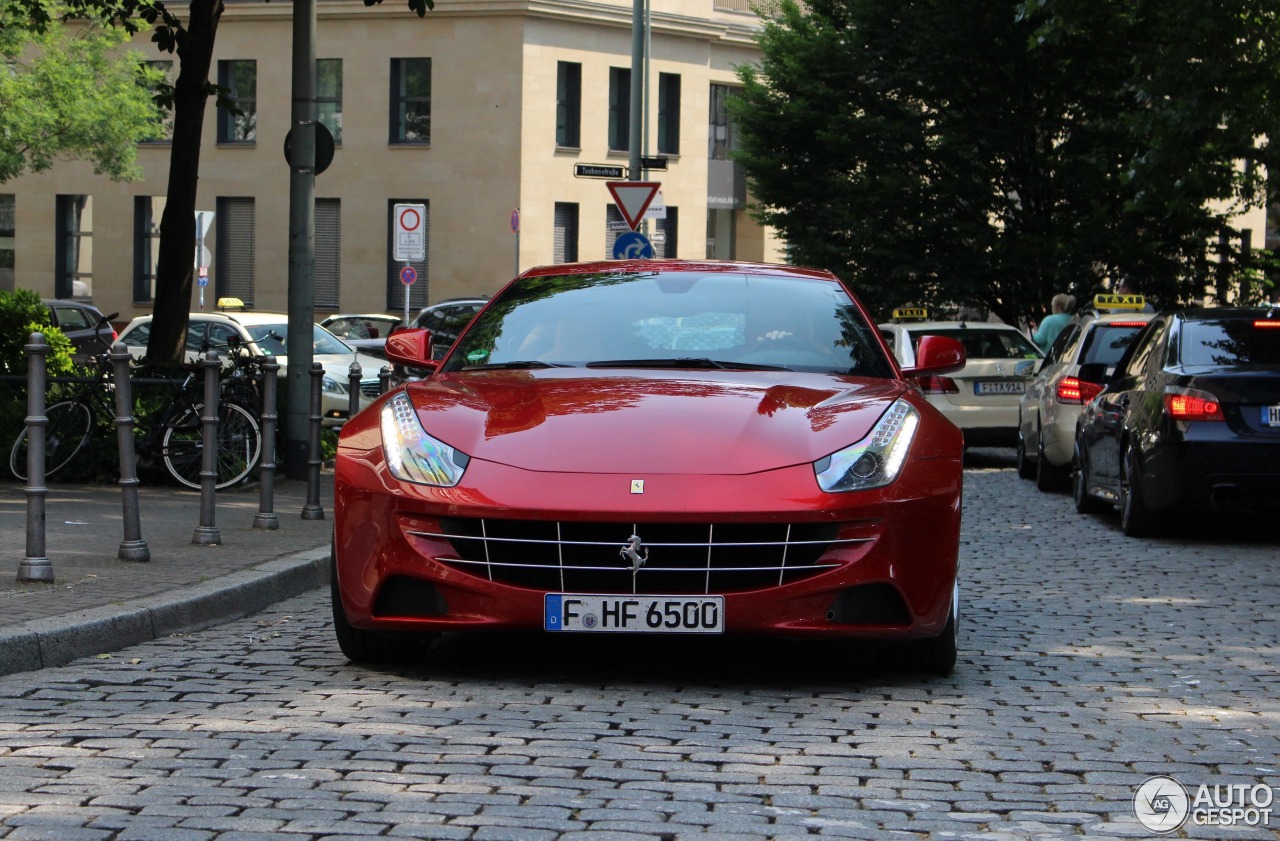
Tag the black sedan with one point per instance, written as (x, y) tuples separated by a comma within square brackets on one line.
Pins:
[(1189, 422)]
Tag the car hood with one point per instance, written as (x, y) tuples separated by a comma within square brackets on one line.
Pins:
[(654, 422)]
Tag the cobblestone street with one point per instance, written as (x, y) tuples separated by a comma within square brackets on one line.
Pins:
[(1089, 663)]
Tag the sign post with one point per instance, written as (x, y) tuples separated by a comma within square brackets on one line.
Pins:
[(204, 220), (410, 244)]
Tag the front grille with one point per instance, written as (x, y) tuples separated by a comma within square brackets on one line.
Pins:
[(371, 388), (680, 558)]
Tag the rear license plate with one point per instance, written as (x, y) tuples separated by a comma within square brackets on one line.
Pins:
[(633, 614), (1014, 387), (1271, 415)]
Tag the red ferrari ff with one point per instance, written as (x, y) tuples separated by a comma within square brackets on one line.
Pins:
[(653, 448)]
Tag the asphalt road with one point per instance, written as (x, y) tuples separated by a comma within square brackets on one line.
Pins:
[(1090, 663)]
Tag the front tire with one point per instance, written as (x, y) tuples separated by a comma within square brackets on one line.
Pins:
[(361, 646), (239, 446), (1085, 504), (938, 655), (70, 425), (1049, 477)]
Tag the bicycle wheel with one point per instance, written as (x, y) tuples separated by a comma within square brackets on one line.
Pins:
[(70, 425), (239, 445)]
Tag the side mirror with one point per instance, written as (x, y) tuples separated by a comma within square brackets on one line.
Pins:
[(1093, 372), (936, 355), (411, 348)]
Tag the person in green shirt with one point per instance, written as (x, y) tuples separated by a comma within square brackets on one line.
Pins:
[(1052, 324)]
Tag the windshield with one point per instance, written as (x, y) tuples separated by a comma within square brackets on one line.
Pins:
[(1230, 342), (673, 320), (273, 338), (1106, 343), (985, 342)]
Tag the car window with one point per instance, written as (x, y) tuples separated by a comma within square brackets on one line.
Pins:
[(138, 336), (1061, 347), (1229, 342), (273, 339), (650, 316), (1106, 343), (220, 335), (195, 337), (1136, 363), (983, 343), (72, 318), (890, 339)]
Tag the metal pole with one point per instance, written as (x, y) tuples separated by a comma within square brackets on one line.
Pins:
[(36, 566), (312, 510), (353, 389), (302, 234), (133, 547), (637, 89), (206, 534), (266, 517), (384, 379)]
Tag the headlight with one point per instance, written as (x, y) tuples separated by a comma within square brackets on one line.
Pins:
[(874, 461), (413, 455), (331, 386)]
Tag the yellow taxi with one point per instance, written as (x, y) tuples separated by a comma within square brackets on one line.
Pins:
[(1047, 412), (982, 397)]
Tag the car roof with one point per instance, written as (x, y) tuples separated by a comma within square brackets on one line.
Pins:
[(951, 325), (674, 266), (249, 317)]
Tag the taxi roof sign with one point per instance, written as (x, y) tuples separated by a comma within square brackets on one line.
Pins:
[(912, 313), (230, 304), (1119, 302)]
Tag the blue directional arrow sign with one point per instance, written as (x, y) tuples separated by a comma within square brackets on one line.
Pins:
[(632, 245)]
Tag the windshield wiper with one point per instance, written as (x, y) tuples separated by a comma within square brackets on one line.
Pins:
[(685, 362), (513, 364)]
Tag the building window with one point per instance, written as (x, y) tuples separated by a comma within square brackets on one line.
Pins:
[(619, 109), (147, 213), (411, 100), (233, 267), (239, 124), (74, 248), (166, 130), (329, 96), (568, 104), (566, 233), (665, 235), (397, 289), (8, 239), (328, 253), (721, 137), (669, 113), (614, 227)]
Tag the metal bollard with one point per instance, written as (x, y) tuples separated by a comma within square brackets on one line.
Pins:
[(384, 379), (206, 534), (312, 510), (266, 517), (36, 566), (354, 373), (133, 547)]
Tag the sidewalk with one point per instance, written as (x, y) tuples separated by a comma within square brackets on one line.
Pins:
[(98, 603)]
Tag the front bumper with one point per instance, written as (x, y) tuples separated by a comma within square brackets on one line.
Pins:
[(890, 574)]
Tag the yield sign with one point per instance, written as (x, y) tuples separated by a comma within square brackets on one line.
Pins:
[(633, 198)]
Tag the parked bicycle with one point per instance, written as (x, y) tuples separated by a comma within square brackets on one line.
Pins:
[(172, 434)]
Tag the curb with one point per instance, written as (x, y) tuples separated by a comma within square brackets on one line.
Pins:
[(56, 641)]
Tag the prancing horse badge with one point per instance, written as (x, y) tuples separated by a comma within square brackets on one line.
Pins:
[(637, 486)]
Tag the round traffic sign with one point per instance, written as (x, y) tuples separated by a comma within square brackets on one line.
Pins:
[(515, 221), (408, 275), (410, 219), (632, 245)]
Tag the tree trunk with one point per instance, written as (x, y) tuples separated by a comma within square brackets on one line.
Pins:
[(175, 263)]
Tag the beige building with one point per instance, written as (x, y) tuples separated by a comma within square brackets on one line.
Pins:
[(481, 109)]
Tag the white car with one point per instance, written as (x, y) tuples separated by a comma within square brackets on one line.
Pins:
[(982, 397), (264, 333), (1047, 413)]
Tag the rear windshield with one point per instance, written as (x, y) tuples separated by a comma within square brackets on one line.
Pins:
[(1106, 343), (985, 343), (1230, 342)]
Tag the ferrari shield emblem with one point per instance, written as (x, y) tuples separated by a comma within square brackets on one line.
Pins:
[(637, 486)]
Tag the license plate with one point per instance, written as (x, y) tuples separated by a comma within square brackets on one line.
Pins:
[(634, 614), (1271, 415), (1013, 387)]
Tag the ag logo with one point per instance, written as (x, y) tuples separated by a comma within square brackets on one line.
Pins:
[(1161, 804)]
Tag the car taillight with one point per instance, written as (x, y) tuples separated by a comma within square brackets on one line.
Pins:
[(1266, 324), (1187, 404), (938, 385), (1074, 390)]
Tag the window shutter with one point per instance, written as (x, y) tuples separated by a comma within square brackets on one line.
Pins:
[(328, 253), (233, 269)]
